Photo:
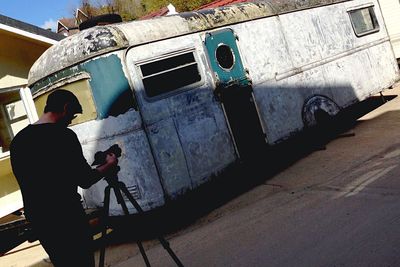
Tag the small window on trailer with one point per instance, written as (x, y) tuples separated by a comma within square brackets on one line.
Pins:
[(82, 90), (170, 75), (364, 21)]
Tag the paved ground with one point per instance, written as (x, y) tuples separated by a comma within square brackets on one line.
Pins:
[(334, 207)]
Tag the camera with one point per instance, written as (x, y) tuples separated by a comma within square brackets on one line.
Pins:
[(100, 156)]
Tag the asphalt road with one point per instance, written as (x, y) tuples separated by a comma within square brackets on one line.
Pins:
[(338, 206)]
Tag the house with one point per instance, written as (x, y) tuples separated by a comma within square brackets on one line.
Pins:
[(21, 44), (70, 26)]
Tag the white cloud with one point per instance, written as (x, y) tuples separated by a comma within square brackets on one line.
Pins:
[(50, 24)]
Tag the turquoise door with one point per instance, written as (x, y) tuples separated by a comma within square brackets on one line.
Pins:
[(233, 89)]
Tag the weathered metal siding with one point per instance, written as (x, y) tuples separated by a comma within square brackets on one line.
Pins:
[(138, 170), (187, 130), (100, 40), (293, 56), (180, 140), (75, 49)]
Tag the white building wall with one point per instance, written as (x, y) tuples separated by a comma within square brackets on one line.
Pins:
[(391, 14)]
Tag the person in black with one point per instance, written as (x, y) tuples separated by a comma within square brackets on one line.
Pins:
[(48, 162)]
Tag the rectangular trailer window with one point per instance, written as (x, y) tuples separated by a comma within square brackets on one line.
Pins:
[(169, 74), (83, 92), (364, 21)]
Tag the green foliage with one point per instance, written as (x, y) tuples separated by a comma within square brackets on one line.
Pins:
[(180, 5), (133, 9), (127, 9)]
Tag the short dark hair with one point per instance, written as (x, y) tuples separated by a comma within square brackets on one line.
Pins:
[(57, 100)]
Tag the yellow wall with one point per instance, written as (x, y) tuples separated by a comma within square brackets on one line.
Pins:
[(10, 195), (17, 55)]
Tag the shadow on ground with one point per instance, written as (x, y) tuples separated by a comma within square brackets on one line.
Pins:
[(238, 179)]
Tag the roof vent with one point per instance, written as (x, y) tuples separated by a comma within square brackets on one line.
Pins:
[(100, 20)]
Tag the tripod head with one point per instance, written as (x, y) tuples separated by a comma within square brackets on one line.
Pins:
[(100, 156), (111, 177), (100, 159)]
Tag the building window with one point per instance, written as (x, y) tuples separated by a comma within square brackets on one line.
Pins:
[(13, 118), (364, 21), (170, 74)]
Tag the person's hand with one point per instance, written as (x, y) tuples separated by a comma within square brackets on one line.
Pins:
[(111, 159), (110, 166)]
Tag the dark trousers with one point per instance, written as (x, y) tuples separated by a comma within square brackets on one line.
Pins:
[(67, 240)]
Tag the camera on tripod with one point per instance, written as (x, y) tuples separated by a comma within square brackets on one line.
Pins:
[(100, 156)]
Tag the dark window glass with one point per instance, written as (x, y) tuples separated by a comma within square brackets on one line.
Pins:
[(169, 81), (225, 57), (364, 21), (170, 74), (166, 64)]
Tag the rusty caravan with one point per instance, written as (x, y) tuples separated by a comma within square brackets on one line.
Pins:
[(186, 96)]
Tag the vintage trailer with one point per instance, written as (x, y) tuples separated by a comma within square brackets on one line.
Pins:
[(188, 95)]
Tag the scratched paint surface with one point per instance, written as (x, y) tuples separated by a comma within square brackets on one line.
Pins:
[(180, 140), (100, 40), (318, 55), (187, 130)]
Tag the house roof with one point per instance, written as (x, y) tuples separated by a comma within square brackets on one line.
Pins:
[(68, 23), (28, 30), (219, 3), (164, 11), (158, 13)]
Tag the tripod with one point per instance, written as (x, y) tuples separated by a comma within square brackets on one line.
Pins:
[(119, 188)]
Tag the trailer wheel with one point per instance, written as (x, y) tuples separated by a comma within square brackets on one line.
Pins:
[(318, 109)]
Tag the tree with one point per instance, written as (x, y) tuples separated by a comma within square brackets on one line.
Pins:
[(127, 9), (180, 5), (133, 9)]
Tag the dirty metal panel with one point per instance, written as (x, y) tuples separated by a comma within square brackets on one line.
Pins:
[(386, 71), (205, 141), (118, 122), (169, 155), (103, 39), (110, 86), (366, 39), (322, 65), (336, 34), (147, 31), (350, 78), (304, 42), (214, 18), (192, 118), (77, 48), (136, 162), (281, 102), (263, 48)]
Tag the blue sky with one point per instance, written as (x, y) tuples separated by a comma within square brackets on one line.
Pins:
[(42, 13)]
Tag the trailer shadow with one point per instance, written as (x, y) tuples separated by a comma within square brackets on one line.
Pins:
[(239, 178)]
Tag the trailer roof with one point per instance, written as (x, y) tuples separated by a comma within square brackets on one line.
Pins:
[(103, 39)]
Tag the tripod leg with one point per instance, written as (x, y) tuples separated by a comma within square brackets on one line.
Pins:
[(104, 232), (167, 247), (126, 211), (162, 240), (130, 197)]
